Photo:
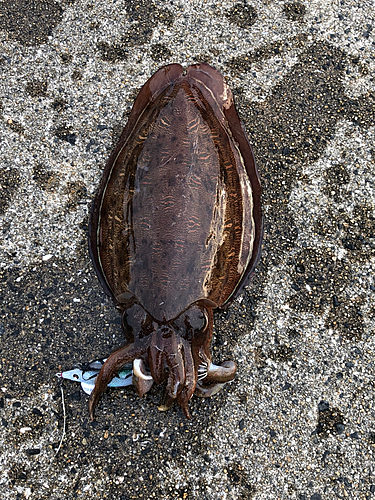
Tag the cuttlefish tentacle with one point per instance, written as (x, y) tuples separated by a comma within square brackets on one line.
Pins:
[(221, 373), (156, 357), (141, 380), (182, 378), (113, 364), (176, 377), (202, 371), (217, 376), (166, 403), (206, 391), (139, 369), (141, 386), (190, 380)]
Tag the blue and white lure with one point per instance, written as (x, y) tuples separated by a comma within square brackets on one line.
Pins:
[(86, 375)]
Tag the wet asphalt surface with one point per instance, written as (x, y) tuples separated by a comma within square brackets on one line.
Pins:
[(298, 420)]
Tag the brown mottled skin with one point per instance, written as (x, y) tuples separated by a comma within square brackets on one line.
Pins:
[(175, 231)]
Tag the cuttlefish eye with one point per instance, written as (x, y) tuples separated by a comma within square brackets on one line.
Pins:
[(191, 322), (136, 322)]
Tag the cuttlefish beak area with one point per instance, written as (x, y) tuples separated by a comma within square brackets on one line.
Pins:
[(170, 359)]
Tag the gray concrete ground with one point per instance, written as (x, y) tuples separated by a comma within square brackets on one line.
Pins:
[(298, 421)]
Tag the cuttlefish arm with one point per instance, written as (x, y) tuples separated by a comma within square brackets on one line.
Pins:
[(112, 366), (214, 381), (141, 380)]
